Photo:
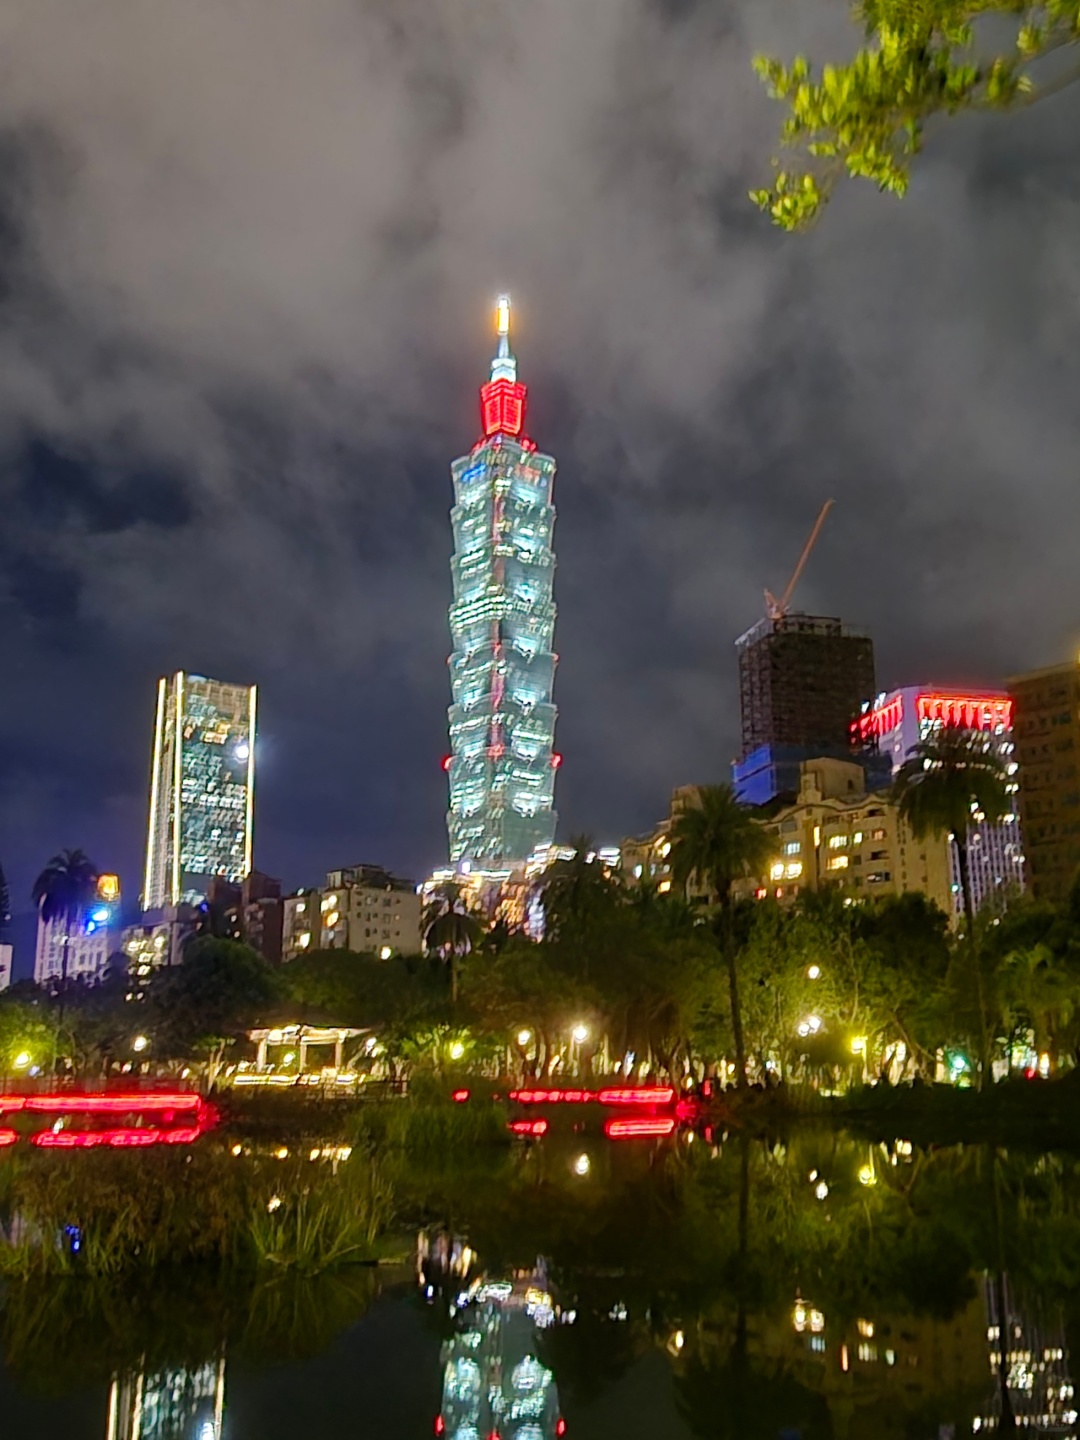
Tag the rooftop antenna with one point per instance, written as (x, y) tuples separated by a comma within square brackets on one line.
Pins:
[(777, 609)]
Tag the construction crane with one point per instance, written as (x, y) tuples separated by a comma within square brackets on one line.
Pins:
[(777, 609)]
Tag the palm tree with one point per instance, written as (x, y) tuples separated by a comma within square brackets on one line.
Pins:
[(719, 840), (947, 781), (450, 929), (63, 892), (950, 779)]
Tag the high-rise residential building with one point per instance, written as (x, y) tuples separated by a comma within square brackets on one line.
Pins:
[(896, 722), (250, 912), (79, 947), (803, 680), (6, 954), (362, 908), (834, 834), (202, 788), (502, 621), (1046, 732)]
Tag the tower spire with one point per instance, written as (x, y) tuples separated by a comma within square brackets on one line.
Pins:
[(504, 366)]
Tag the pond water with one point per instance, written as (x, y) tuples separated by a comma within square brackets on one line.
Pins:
[(813, 1287)]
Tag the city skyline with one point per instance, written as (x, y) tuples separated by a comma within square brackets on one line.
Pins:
[(227, 420)]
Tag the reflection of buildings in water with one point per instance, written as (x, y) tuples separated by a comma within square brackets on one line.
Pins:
[(886, 1366), (493, 1380), (1041, 1391), (168, 1405)]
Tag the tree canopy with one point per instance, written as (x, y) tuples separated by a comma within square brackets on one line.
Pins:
[(922, 59)]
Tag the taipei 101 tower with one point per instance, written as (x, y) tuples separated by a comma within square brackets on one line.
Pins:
[(502, 623)]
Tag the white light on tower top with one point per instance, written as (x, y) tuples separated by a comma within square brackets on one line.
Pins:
[(504, 366)]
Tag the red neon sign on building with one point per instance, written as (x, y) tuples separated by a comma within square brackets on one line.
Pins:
[(502, 407), (972, 712)]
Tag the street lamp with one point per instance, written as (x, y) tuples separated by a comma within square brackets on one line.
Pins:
[(22, 1060), (582, 1165), (524, 1036), (139, 1044), (580, 1033), (814, 972), (457, 1050)]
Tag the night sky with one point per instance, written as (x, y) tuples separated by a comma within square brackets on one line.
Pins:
[(248, 252)]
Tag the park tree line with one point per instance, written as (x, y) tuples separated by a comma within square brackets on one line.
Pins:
[(823, 991)]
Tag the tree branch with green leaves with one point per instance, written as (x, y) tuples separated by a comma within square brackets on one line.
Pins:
[(922, 59)]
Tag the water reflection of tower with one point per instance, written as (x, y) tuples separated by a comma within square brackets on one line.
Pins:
[(1041, 1392), (168, 1404), (493, 1380)]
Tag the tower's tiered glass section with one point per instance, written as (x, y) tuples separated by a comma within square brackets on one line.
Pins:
[(502, 622)]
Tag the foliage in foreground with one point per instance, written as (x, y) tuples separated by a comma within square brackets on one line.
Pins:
[(921, 59)]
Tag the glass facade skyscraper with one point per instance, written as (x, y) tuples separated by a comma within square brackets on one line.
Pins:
[(502, 624), (202, 788)]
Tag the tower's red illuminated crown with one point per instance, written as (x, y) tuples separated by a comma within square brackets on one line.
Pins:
[(503, 398)]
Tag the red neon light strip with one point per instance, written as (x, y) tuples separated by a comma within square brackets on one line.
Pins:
[(113, 1104), (528, 1127), (629, 1129), (8, 1137), (638, 1095)]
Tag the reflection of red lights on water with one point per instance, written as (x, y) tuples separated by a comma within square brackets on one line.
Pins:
[(645, 1125), (638, 1095), (528, 1127), (128, 1137), (626, 1095)]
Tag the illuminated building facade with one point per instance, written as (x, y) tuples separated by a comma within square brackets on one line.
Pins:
[(502, 622), (362, 908), (202, 788), (6, 953), (834, 834), (898, 721), (79, 948), (1046, 728)]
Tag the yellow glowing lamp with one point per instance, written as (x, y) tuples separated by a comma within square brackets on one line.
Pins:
[(108, 886), (502, 315)]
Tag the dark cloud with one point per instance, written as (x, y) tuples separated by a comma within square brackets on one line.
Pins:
[(247, 252)]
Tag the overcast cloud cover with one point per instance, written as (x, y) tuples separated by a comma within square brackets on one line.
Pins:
[(247, 255)]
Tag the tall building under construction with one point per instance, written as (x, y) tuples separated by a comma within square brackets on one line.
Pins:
[(803, 680)]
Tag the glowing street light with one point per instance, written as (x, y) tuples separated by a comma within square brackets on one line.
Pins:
[(814, 972), (810, 1026), (385, 953), (858, 1045), (580, 1033), (457, 1050), (821, 1190), (22, 1060), (524, 1036), (582, 1165), (139, 1044)]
